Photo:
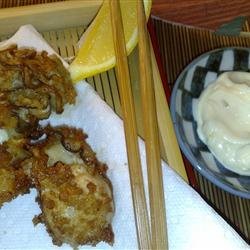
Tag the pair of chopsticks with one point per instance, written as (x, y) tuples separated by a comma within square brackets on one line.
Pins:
[(150, 235)]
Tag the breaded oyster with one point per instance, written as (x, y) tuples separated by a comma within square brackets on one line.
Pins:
[(75, 195), (32, 85), (13, 178)]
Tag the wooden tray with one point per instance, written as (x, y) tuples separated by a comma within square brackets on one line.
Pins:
[(63, 36)]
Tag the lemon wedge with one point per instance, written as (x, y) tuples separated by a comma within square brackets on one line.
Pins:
[(97, 51)]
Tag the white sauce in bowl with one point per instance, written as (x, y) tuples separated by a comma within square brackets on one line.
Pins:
[(223, 119)]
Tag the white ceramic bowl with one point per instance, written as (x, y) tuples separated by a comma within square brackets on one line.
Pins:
[(188, 87)]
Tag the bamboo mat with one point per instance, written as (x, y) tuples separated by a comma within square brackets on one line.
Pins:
[(179, 45), (208, 14), (14, 3)]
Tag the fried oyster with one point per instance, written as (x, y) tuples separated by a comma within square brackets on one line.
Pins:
[(32, 85), (13, 178), (75, 195)]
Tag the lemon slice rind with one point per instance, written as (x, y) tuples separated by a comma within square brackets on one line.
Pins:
[(92, 60)]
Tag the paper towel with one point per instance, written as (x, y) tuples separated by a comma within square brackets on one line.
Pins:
[(192, 224)]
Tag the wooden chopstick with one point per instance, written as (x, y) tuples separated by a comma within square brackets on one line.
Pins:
[(151, 135), (166, 127), (128, 111)]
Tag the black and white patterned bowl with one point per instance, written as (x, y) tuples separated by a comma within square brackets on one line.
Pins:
[(188, 87)]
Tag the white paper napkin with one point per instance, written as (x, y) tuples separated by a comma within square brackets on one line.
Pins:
[(192, 224)]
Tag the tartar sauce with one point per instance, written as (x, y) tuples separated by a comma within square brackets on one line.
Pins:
[(223, 119)]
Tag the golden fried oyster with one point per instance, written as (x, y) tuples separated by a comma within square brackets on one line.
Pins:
[(13, 178), (75, 195), (32, 85)]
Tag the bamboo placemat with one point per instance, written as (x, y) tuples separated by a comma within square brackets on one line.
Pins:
[(179, 45), (15, 3)]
